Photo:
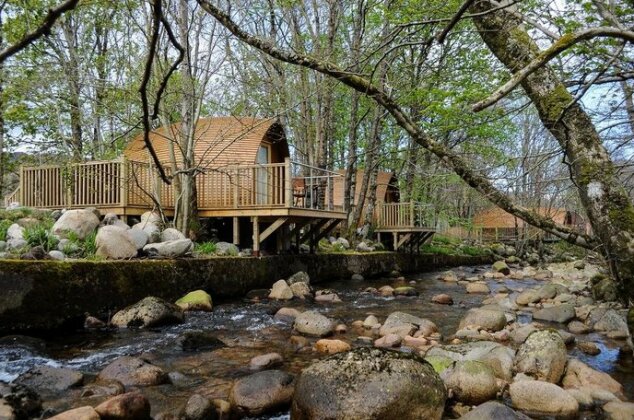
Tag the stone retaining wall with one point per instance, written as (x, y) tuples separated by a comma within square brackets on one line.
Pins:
[(44, 295)]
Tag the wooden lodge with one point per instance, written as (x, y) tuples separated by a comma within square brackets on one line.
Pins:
[(496, 225), (245, 179), (404, 222)]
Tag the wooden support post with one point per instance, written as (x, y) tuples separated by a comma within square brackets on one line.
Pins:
[(123, 182), (411, 214), (403, 239), (272, 228), (236, 231), (314, 228), (288, 183), (256, 236), (21, 186), (236, 189), (395, 240), (327, 229)]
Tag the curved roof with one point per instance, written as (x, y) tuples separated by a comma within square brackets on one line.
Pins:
[(219, 141)]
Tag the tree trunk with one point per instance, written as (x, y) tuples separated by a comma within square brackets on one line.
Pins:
[(607, 205), (186, 209), (74, 94)]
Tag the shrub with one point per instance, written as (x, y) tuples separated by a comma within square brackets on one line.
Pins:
[(40, 235), (4, 227), (89, 247)]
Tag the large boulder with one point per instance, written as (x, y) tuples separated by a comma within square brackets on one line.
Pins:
[(471, 382), (139, 237), (501, 267), (170, 249), (225, 249), (262, 392), (281, 291), (133, 371), (79, 413), (314, 324), (151, 217), (15, 231), (114, 243), (198, 300), (371, 384), (526, 297), (148, 312), (579, 375), (542, 356), (560, 313), (495, 355), (81, 222), (151, 230), (489, 319), (493, 410), (299, 277), (617, 410), (477, 287), (171, 234), (50, 380), (612, 321), (129, 406), (543, 399), (403, 324), (301, 290)]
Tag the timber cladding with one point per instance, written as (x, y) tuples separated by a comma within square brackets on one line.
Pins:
[(218, 142), (386, 187)]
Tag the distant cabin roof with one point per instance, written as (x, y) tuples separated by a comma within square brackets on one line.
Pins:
[(219, 141), (495, 217)]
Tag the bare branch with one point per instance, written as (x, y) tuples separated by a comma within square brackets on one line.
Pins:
[(544, 57), (44, 29), (147, 73), (454, 21)]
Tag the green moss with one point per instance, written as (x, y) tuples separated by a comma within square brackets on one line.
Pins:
[(196, 300), (555, 102), (622, 217), (439, 363)]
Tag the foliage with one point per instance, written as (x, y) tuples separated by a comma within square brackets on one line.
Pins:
[(41, 235), (205, 248), (77, 247), (4, 227), (446, 245)]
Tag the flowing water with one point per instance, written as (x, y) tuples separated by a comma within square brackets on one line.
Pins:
[(248, 329)]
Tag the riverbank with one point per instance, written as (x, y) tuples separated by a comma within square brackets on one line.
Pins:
[(45, 295), (484, 347)]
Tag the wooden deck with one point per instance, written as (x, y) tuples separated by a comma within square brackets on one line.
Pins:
[(130, 188), (407, 224), (289, 198)]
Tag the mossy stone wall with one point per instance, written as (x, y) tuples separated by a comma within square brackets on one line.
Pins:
[(44, 295)]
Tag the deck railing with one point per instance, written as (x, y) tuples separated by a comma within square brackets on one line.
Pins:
[(402, 215), (124, 183)]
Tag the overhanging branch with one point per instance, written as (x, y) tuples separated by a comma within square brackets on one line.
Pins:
[(544, 57), (446, 155), (44, 29)]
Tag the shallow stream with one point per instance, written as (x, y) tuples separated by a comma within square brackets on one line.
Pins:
[(249, 329)]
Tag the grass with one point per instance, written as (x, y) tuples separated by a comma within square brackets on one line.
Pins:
[(205, 248)]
